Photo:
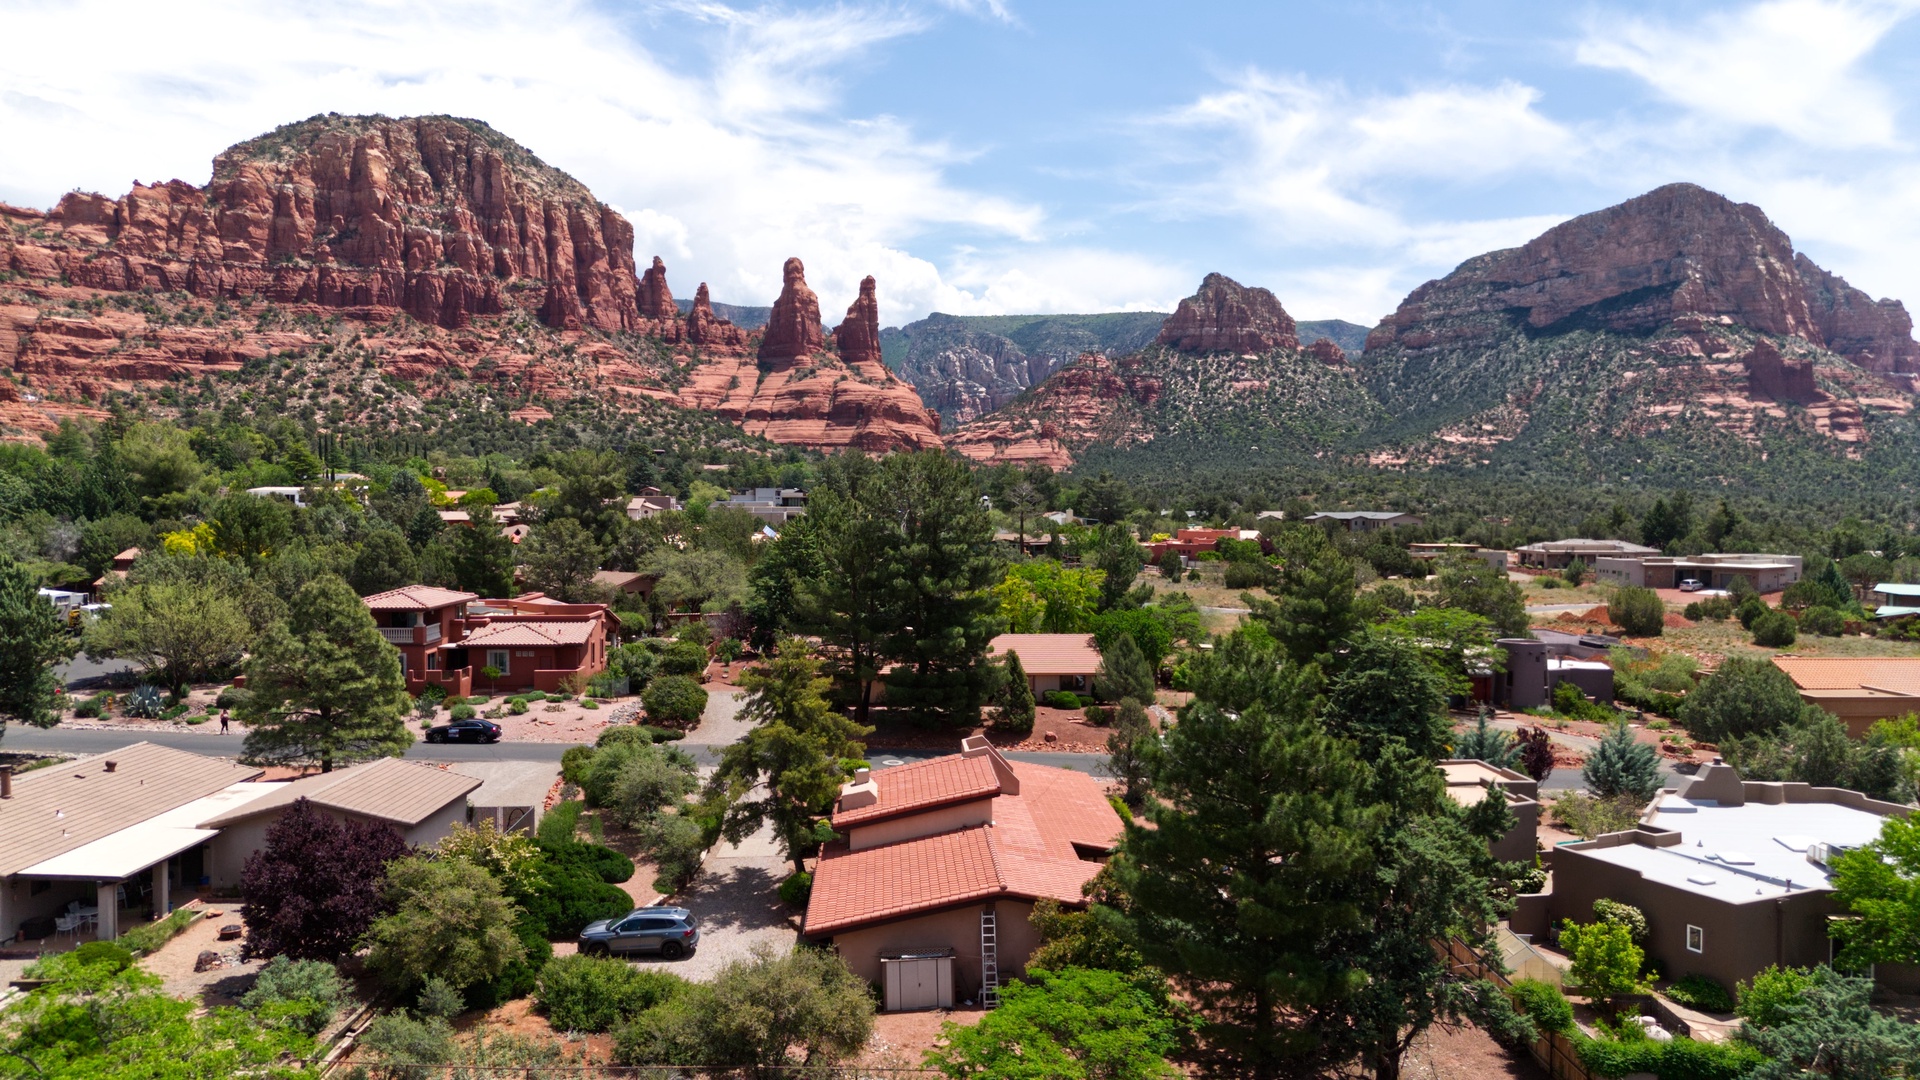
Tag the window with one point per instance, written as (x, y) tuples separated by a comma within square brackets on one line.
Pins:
[(499, 658), (1073, 682), (433, 661), (1696, 939)]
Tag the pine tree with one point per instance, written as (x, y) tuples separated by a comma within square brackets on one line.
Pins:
[(31, 642), (1128, 750), (483, 561), (1488, 744), (1124, 672), (1622, 766), (324, 687), (1015, 695), (796, 753), (1313, 605)]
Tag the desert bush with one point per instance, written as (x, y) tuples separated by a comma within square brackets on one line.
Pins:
[(304, 993), (1823, 621), (1775, 630), (1613, 911), (674, 700), (796, 889), (1639, 611), (591, 993)]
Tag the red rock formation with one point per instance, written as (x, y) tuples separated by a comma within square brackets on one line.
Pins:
[(858, 335), (656, 300), (1677, 250), (706, 329), (1327, 352), (1088, 401), (1226, 316), (1777, 378), (432, 215), (1876, 334), (793, 330)]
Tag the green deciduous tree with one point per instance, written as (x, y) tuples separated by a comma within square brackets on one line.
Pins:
[(181, 630), (1079, 1024), (1388, 691), (772, 1012), (449, 919), (324, 687), (561, 558), (1880, 884), (795, 755), (1457, 643), (1469, 584), (1744, 697), (1620, 765), (1043, 597), (1605, 961), (32, 641)]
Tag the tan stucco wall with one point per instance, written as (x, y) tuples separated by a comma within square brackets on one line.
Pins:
[(928, 823), (227, 853), (957, 929)]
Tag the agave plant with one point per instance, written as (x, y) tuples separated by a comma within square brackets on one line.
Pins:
[(145, 703)]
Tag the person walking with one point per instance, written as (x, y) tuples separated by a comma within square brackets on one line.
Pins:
[(223, 721)]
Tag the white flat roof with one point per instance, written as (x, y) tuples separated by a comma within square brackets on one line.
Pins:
[(138, 847), (1737, 854)]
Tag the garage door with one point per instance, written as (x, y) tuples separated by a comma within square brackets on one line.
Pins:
[(918, 982)]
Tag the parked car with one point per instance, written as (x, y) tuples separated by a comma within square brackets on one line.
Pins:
[(668, 931), (1692, 585), (474, 731)]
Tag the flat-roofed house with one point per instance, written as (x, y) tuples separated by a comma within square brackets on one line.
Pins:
[(421, 801), (1765, 573), (1365, 520), (931, 893), (1858, 690), (109, 838), (1471, 781), (1732, 875), (1559, 554), (1895, 600), (1052, 661)]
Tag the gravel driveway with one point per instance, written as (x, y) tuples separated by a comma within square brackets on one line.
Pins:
[(721, 724), (736, 903)]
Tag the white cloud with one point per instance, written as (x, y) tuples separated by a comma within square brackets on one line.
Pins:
[(1790, 65), (719, 131)]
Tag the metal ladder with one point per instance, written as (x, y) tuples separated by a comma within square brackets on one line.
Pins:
[(989, 959)]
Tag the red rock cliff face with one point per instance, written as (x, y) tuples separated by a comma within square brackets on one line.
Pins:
[(707, 329), (1677, 250), (1876, 334), (1226, 316), (1088, 401), (432, 215), (800, 393)]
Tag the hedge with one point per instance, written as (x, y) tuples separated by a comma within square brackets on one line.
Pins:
[(1678, 1059)]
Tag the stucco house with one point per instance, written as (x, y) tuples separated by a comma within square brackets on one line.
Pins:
[(448, 638), (1052, 661), (1858, 690), (930, 895)]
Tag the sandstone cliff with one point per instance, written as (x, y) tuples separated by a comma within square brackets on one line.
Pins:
[(965, 366), (1226, 316), (1876, 334)]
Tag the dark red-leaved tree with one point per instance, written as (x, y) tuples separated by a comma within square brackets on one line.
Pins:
[(315, 888), (1536, 753)]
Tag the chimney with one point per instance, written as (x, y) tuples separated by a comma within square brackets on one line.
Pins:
[(112, 765), (6, 781)]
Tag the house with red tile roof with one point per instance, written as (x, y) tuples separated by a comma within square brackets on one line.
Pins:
[(447, 639), (931, 890), (1858, 690), (1052, 661)]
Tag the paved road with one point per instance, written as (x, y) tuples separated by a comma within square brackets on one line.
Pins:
[(83, 669), (100, 740), (1555, 609)]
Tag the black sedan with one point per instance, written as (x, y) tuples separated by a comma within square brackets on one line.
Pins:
[(475, 731)]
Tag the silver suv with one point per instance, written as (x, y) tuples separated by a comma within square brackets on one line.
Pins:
[(668, 931)]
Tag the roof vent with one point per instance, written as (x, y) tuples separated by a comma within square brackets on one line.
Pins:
[(1732, 858), (112, 766), (6, 781)]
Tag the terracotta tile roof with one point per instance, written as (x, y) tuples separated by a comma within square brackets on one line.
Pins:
[(417, 598), (1899, 676), (923, 785), (62, 807), (1031, 850), (1050, 654), (523, 633), (403, 792)]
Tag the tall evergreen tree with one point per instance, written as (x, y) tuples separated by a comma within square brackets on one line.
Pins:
[(32, 641), (846, 604), (939, 564), (1388, 691), (1124, 672), (1622, 766), (324, 687), (1313, 605), (483, 561), (796, 752), (1015, 695)]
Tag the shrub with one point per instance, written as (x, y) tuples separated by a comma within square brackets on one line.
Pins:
[(1639, 611), (398, 1040), (1700, 992), (104, 952), (1626, 915), (567, 894), (1570, 701), (1247, 575), (1550, 583), (1013, 698), (660, 734), (683, 658), (796, 889), (1678, 1059), (1775, 630), (145, 703), (1823, 621), (89, 708), (449, 918), (517, 706), (1062, 699), (589, 704), (461, 712), (674, 700), (767, 1013), (1606, 962), (304, 993), (147, 938), (534, 695), (1622, 766), (591, 993), (1715, 608), (623, 735), (676, 844), (1750, 609), (560, 824), (1692, 611), (1770, 998), (232, 697), (1544, 1004), (574, 761), (433, 694)]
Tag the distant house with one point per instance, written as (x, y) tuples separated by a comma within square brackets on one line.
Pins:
[(1857, 690), (1471, 781), (445, 638), (626, 582), (930, 894), (650, 503), (1191, 543), (1732, 875), (1052, 661), (1764, 573), (775, 506), (1535, 666), (122, 565), (1365, 520), (1030, 543), (1559, 554), (1895, 600), (294, 495)]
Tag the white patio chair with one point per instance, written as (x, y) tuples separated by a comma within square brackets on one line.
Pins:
[(67, 924)]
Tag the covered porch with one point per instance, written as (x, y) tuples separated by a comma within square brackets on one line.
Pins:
[(80, 897)]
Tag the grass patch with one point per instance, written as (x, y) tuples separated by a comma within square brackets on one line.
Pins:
[(146, 939)]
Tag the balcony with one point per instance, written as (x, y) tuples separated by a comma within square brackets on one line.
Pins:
[(411, 635)]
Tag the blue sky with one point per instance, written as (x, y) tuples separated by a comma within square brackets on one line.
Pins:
[(996, 156)]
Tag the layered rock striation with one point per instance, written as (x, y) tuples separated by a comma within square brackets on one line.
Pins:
[(1226, 316), (965, 366)]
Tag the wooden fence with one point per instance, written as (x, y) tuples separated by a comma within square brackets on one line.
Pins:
[(1554, 1051)]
